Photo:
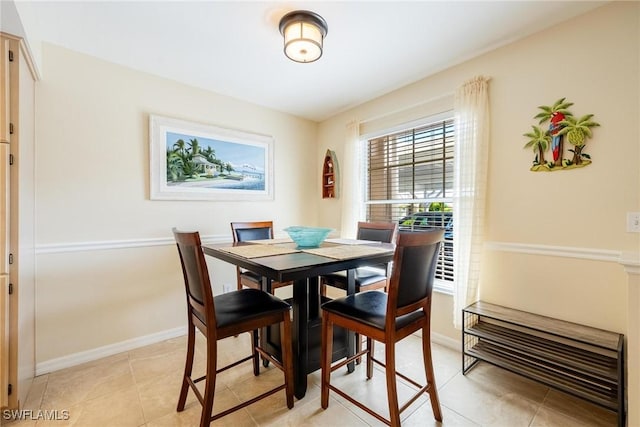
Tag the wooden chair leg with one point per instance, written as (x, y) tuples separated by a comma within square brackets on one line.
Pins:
[(256, 355), (370, 349), (188, 367), (287, 357), (429, 373), (210, 384), (392, 389), (327, 349), (239, 287)]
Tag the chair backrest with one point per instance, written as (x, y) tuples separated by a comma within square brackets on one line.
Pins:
[(385, 232), (257, 230), (196, 279), (414, 265)]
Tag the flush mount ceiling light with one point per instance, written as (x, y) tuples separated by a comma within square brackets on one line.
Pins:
[(303, 33)]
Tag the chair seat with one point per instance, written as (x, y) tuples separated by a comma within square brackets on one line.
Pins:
[(232, 313), (365, 276), (245, 304), (388, 318), (256, 279), (370, 277), (369, 308), (250, 275)]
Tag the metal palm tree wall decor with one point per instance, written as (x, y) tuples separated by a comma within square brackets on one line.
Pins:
[(561, 123)]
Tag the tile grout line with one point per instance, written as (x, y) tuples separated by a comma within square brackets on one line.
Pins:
[(135, 382), (535, 414)]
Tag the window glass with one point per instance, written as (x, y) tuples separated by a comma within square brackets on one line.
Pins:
[(410, 180)]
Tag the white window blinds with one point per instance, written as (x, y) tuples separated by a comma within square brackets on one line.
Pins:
[(410, 180)]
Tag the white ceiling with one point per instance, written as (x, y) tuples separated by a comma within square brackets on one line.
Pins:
[(234, 48)]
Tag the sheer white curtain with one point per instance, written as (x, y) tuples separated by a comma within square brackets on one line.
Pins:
[(351, 176), (471, 108)]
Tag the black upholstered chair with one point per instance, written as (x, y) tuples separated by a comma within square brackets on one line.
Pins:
[(256, 230), (223, 316), (370, 277), (388, 318)]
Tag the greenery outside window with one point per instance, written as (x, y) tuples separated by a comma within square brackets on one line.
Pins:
[(410, 181)]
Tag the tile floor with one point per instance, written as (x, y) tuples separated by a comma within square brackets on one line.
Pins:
[(140, 388)]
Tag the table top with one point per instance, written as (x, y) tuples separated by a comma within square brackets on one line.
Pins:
[(283, 262), (279, 260)]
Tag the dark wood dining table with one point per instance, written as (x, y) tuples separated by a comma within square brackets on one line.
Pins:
[(304, 268)]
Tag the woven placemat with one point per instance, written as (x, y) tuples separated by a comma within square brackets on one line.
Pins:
[(271, 241), (346, 251), (343, 241), (256, 251)]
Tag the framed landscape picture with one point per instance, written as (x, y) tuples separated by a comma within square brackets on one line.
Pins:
[(194, 161)]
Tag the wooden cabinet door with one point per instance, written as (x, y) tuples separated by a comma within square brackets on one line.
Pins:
[(4, 91), (17, 210), (4, 223), (4, 340)]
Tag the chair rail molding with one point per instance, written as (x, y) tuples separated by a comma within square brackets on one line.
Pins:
[(631, 262), (561, 251), (52, 248)]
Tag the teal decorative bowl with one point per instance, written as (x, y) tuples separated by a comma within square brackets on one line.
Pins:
[(308, 237)]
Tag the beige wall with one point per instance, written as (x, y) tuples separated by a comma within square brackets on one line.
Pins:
[(592, 61), (554, 240), (92, 183), (93, 187)]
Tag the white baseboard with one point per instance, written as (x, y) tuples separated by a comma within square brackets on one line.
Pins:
[(108, 350), (446, 341)]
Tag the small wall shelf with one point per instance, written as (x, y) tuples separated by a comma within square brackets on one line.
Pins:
[(330, 176)]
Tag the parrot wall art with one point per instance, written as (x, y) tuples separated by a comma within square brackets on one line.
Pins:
[(562, 123)]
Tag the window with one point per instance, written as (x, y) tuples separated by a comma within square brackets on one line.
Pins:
[(410, 180)]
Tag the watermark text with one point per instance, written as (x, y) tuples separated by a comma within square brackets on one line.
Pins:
[(35, 414)]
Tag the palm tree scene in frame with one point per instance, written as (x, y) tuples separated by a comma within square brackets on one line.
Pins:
[(561, 123), (210, 163)]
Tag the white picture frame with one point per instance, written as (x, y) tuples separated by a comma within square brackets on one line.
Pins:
[(196, 161)]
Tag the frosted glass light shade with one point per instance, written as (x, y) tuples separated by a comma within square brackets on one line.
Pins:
[(303, 33)]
